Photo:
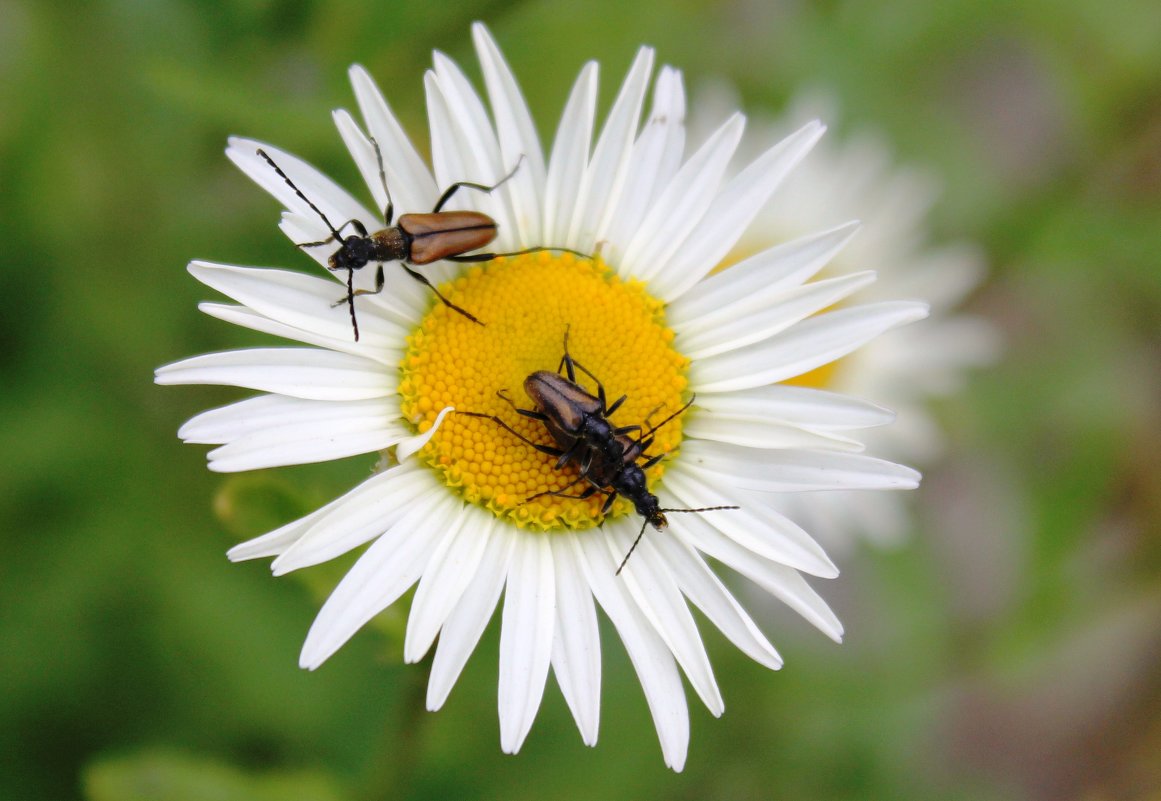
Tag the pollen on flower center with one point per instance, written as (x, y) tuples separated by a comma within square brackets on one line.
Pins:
[(616, 331)]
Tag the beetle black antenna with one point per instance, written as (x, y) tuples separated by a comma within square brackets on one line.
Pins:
[(298, 192), (641, 533), (632, 547), (667, 419)]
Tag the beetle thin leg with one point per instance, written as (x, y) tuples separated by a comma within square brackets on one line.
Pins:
[(570, 453), (542, 448), (451, 190), (475, 257), (588, 493), (617, 405), (389, 212), (360, 229), (380, 280), (626, 429), (421, 278)]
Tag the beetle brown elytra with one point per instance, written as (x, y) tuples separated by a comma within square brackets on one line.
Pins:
[(606, 455), (417, 239)]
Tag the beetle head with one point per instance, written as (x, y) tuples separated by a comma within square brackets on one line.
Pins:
[(354, 254)]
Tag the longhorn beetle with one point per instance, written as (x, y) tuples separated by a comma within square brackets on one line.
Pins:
[(606, 455), (414, 239)]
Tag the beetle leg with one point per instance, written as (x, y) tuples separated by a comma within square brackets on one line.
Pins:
[(542, 448), (570, 453), (379, 281), (588, 493), (600, 387), (360, 229), (653, 460), (609, 502), (475, 257), (451, 190), (626, 429), (421, 278), (389, 211), (616, 405)]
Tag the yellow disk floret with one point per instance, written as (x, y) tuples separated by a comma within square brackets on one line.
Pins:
[(616, 330)]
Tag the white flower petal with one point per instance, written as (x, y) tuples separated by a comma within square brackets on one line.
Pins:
[(762, 433), (276, 542), (674, 217), (465, 148), (385, 571), (412, 186), (525, 637), (361, 515), (281, 449), (518, 138), (782, 582), (468, 619), (602, 182), (301, 301), (570, 153), (248, 318), (657, 595), (655, 160), (330, 198), (814, 409), (453, 565), (750, 285), (411, 445), (810, 344), (756, 528), (275, 412), (719, 464), (731, 212), (706, 591), (652, 660), (576, 644), (299, 372), (363, 152), (779, 313)]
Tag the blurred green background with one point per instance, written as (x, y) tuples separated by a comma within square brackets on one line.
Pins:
[(1009, 652)]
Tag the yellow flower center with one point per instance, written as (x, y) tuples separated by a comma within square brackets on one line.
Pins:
[(615, 329)]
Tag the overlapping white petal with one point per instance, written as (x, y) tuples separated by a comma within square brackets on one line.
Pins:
[(856, 177), (654, 217)]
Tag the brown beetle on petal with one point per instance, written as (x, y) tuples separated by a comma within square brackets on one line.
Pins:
[(415, 239)]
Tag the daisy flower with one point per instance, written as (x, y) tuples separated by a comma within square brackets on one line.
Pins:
[(905, 370), (451, 511)]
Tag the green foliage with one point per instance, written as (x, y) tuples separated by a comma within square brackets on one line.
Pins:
[(177, 777)]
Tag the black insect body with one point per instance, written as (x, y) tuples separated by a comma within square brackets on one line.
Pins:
[(606, 455), (415, 239)]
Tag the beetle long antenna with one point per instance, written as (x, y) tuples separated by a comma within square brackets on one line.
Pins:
[(651, 429), (641, 533), (351, 300), (702, 509), (633, 547), (298, 192)]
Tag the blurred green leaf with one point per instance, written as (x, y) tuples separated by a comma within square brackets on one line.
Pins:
[(168, 776)]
